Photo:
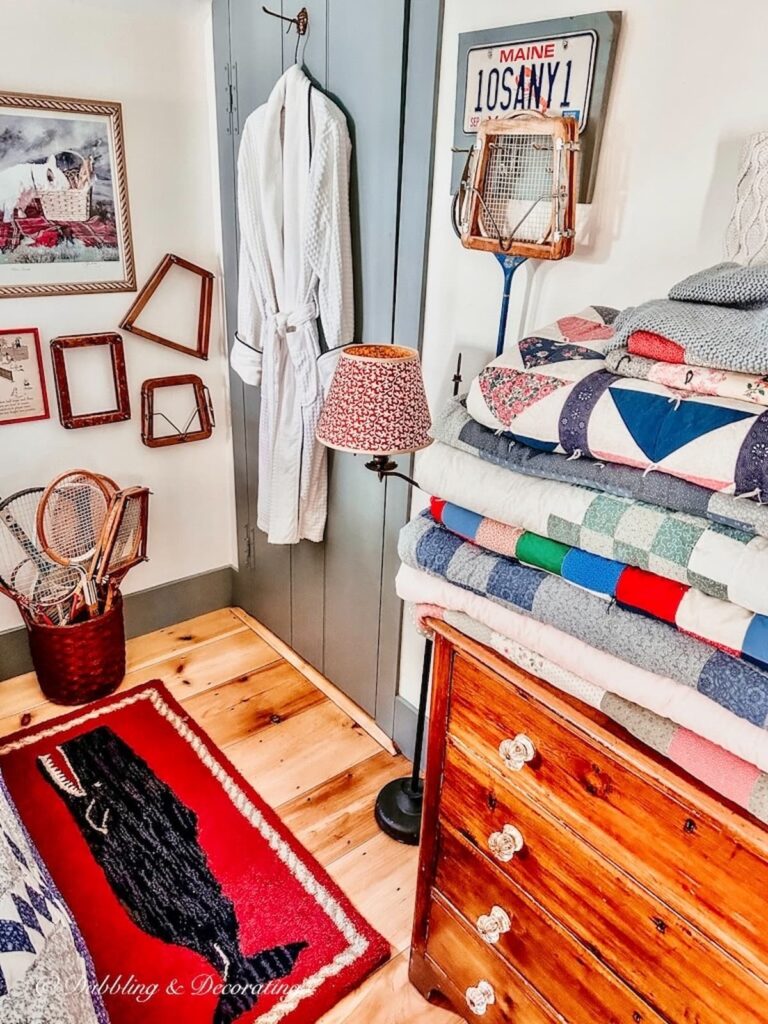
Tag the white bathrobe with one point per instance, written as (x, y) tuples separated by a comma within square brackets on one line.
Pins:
[(295, 265)]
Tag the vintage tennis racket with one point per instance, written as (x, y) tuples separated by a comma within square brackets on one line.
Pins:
[(71, 516), (71, 522), (520, 189), (126, 542), (518, 194)]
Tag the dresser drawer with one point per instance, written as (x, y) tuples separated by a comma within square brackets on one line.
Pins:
[(574, 981), (672, 847), (682, 974), (485, 987)]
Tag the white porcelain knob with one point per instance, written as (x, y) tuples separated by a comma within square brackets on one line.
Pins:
[(518, 752), (505, 844), (480, 997), (493, 925)]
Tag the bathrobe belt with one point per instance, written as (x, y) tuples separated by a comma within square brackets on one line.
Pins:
[(287, 323)]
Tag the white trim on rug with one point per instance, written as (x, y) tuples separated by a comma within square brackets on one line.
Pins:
[(357, 943)]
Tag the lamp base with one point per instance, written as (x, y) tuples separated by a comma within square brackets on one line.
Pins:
[(398, 810)]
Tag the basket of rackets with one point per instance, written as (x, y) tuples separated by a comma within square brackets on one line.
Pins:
[(64, 552)]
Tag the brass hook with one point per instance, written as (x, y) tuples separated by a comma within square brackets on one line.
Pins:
[(301, 21)]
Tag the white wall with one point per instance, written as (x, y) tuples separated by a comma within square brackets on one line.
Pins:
[(156, 59), (690, 83)]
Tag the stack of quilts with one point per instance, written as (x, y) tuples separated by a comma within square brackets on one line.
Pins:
[(598, 518)]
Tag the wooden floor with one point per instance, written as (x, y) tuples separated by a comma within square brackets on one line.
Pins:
[(306, 757)]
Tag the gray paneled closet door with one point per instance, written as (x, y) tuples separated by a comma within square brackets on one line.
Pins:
[(334, 602)]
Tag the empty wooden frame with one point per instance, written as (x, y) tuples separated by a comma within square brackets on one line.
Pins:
[(181, 435), (70, 419), (202, 341)]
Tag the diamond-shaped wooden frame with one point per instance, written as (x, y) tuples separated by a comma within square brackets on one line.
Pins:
[(200, 351)]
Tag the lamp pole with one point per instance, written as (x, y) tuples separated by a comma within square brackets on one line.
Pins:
[(399, 803)]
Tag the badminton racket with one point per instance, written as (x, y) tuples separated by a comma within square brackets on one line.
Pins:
[(46, 597), (26, 574)]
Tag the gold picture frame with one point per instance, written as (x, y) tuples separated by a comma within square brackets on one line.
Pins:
[(65, 226)]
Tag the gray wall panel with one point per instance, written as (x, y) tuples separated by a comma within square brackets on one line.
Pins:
[(367, 81), (257, 61), (335, 603), (308, 559), (425, 33)]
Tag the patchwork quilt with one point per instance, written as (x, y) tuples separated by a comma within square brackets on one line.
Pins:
[(553, 392), (735, 684), (46, 972), (716, 560), (455, 427), (717, 317), (728, 775), (683, 705), (726, 626)]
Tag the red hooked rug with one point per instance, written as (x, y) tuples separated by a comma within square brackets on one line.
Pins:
[(197, 904)]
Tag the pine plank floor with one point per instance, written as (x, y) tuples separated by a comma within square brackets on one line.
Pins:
[(306, 756)]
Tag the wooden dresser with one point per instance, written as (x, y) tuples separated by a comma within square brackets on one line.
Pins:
[(569, 874)]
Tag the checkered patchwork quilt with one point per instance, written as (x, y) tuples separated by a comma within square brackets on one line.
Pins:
[(717, 560), (736, 685), (552, 392), (719, 623)]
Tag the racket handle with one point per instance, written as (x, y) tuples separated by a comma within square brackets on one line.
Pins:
[(111, 591), (90, 597)]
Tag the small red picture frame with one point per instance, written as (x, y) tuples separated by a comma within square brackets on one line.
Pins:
[(23, 394), (122, 410)]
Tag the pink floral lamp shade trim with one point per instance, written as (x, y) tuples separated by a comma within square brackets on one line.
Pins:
[(376, 404)]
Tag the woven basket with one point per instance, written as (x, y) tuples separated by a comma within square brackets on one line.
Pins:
[(68, 204), (80, 663)]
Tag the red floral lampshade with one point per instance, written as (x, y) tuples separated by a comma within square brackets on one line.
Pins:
[(376, 404)]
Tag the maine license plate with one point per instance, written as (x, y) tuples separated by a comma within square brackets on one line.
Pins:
[(552, 74)]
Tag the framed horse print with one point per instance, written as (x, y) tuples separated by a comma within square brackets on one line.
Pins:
[(64, 214)]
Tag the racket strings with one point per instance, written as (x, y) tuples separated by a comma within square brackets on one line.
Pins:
[(53, 542), (50, 592), (127, 547), (72, 518), (518, 188), (18, 535)]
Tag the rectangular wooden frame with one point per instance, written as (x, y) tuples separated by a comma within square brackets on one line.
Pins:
[(59, 348), (202, 342), (202, 400), (44, 415)]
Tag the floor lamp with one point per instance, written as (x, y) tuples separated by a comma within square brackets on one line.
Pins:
[(377, 406)]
